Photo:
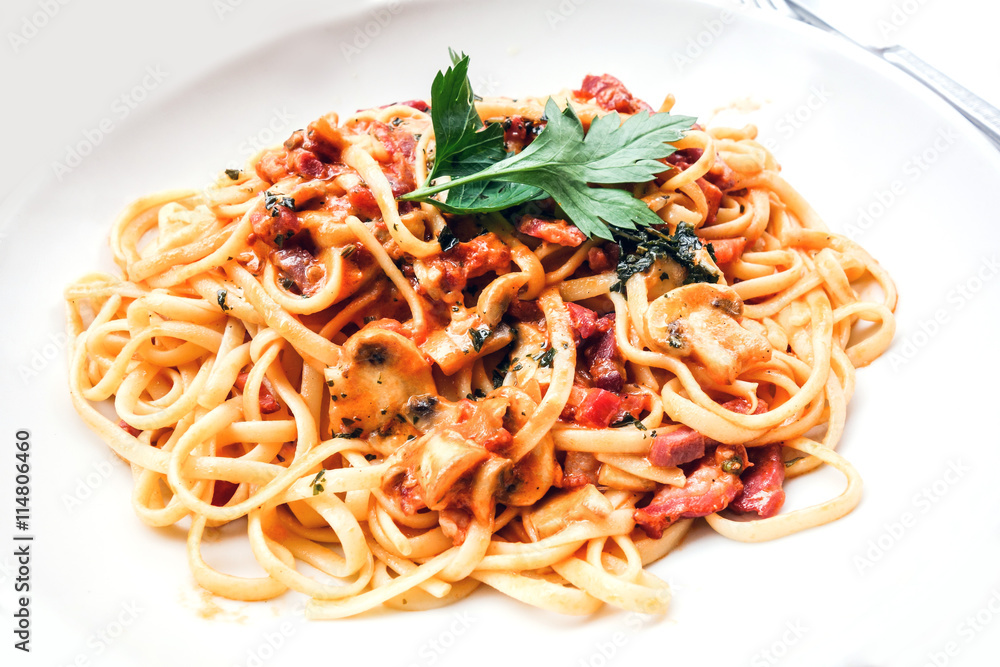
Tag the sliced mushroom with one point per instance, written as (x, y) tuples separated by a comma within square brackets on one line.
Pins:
[(380, 372), (443, 459), (496, 297), (702, 321), (583, 504), (453, 347)]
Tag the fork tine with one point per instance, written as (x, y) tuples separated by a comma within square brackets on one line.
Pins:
[(779, 6)]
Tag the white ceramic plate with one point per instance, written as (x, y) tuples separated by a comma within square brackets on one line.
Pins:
[(893, 583)]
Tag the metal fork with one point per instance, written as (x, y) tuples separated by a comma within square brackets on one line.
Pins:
[(978, 111)]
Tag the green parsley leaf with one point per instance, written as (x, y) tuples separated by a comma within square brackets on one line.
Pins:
[(641, 249), (221, 298), (317, 483), (463, 146), (629, 419), (447, 239), (545, 358), (479, 335), (562, 162)]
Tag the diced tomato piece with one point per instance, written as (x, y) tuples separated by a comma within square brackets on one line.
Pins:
[(727, 250)]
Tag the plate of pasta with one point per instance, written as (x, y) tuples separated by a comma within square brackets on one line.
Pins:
[(598, 347)]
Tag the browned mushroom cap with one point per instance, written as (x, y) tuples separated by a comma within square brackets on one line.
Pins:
[(701, 321), (381, 370)]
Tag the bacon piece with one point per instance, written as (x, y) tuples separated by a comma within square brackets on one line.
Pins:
[(308, 165), (525, 311), (598, 408), (686, 444), (580, 469), (363, 202), (576, 396), (632, 404), (128, 428), (519, 132), (713, 196), (727, 250), (301, 267), (707, 490), (762, 492), (559, 232), (584, 321), (677, 447), (684, 158), (223, 492), (722, 176), (271, 166), (450, 271), (606, 368), (603, 258), (268, 404), (279, 222), (419, 105), (610, 93)]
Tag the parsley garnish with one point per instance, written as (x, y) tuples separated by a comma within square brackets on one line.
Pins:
[(370, 457), (356, 433), (273, 201), (234, 174), (500, 372), (733, 466), (447, 239), (562, 162), (790, 462), (545, 358), (221, 298), (641, 248), (479, 335), (317, 483), (629, 419)]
